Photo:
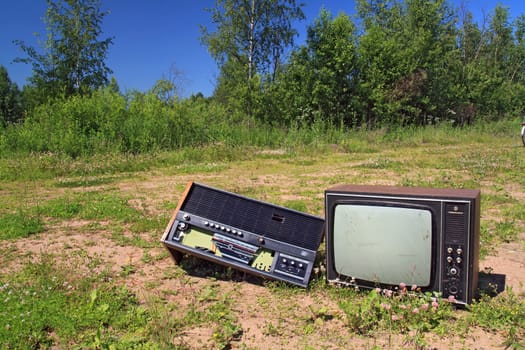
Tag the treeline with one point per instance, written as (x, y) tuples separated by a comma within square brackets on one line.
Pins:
[(392, 64), (413, 62)]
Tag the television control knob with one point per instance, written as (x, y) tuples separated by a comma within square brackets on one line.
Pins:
[(285, 261), (459, 251), (453, 290), (459, 260), (223, 228), (292, 263), (186, 217), (182, 226), (453, 271), (228, 230), (239, 233), (234, 232), (261, 240), (301, 265), (449, 259), (206, 223), (450, 250)]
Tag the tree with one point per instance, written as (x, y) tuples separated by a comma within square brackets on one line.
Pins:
[(10, 99), (250, 40), (73, 57), (319, 82), (404, 53)]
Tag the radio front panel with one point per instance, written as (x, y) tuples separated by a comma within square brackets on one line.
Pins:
[(246, 234)]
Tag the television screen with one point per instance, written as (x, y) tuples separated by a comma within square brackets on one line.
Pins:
[(383, 244)]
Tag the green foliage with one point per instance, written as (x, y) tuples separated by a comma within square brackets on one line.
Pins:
[(106, 122), (319, 82), (10, 100), (412, 62), (399, 310), (45, 303)]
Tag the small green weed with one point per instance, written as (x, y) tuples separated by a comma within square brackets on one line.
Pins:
[(20, 224)]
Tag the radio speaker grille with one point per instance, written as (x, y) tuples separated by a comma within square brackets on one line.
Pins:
[(254, 216)]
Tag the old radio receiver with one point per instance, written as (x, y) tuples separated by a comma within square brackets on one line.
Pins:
[(250, 235)]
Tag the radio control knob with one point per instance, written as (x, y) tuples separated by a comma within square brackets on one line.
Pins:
[(206, 223), (239, 233), (228, 230), (459, 251), (450, 250), (186, 217), (223, 228), (459, 260), (449, 259), (285, 261), (453, 271), (292, 262), (301, 265)]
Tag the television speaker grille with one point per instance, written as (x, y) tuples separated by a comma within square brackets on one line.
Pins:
[(456, 221)]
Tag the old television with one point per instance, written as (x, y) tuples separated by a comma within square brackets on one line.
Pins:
[(382, 236)]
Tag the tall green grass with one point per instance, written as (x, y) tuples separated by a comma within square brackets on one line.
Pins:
[(107, 122)]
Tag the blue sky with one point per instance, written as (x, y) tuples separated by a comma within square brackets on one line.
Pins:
[(151, 37)]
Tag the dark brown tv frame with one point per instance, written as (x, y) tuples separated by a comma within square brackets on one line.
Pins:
[(448, 277)]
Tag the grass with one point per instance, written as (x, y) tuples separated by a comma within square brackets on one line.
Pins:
[(118, 288), (19, 224), (46, 304)]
